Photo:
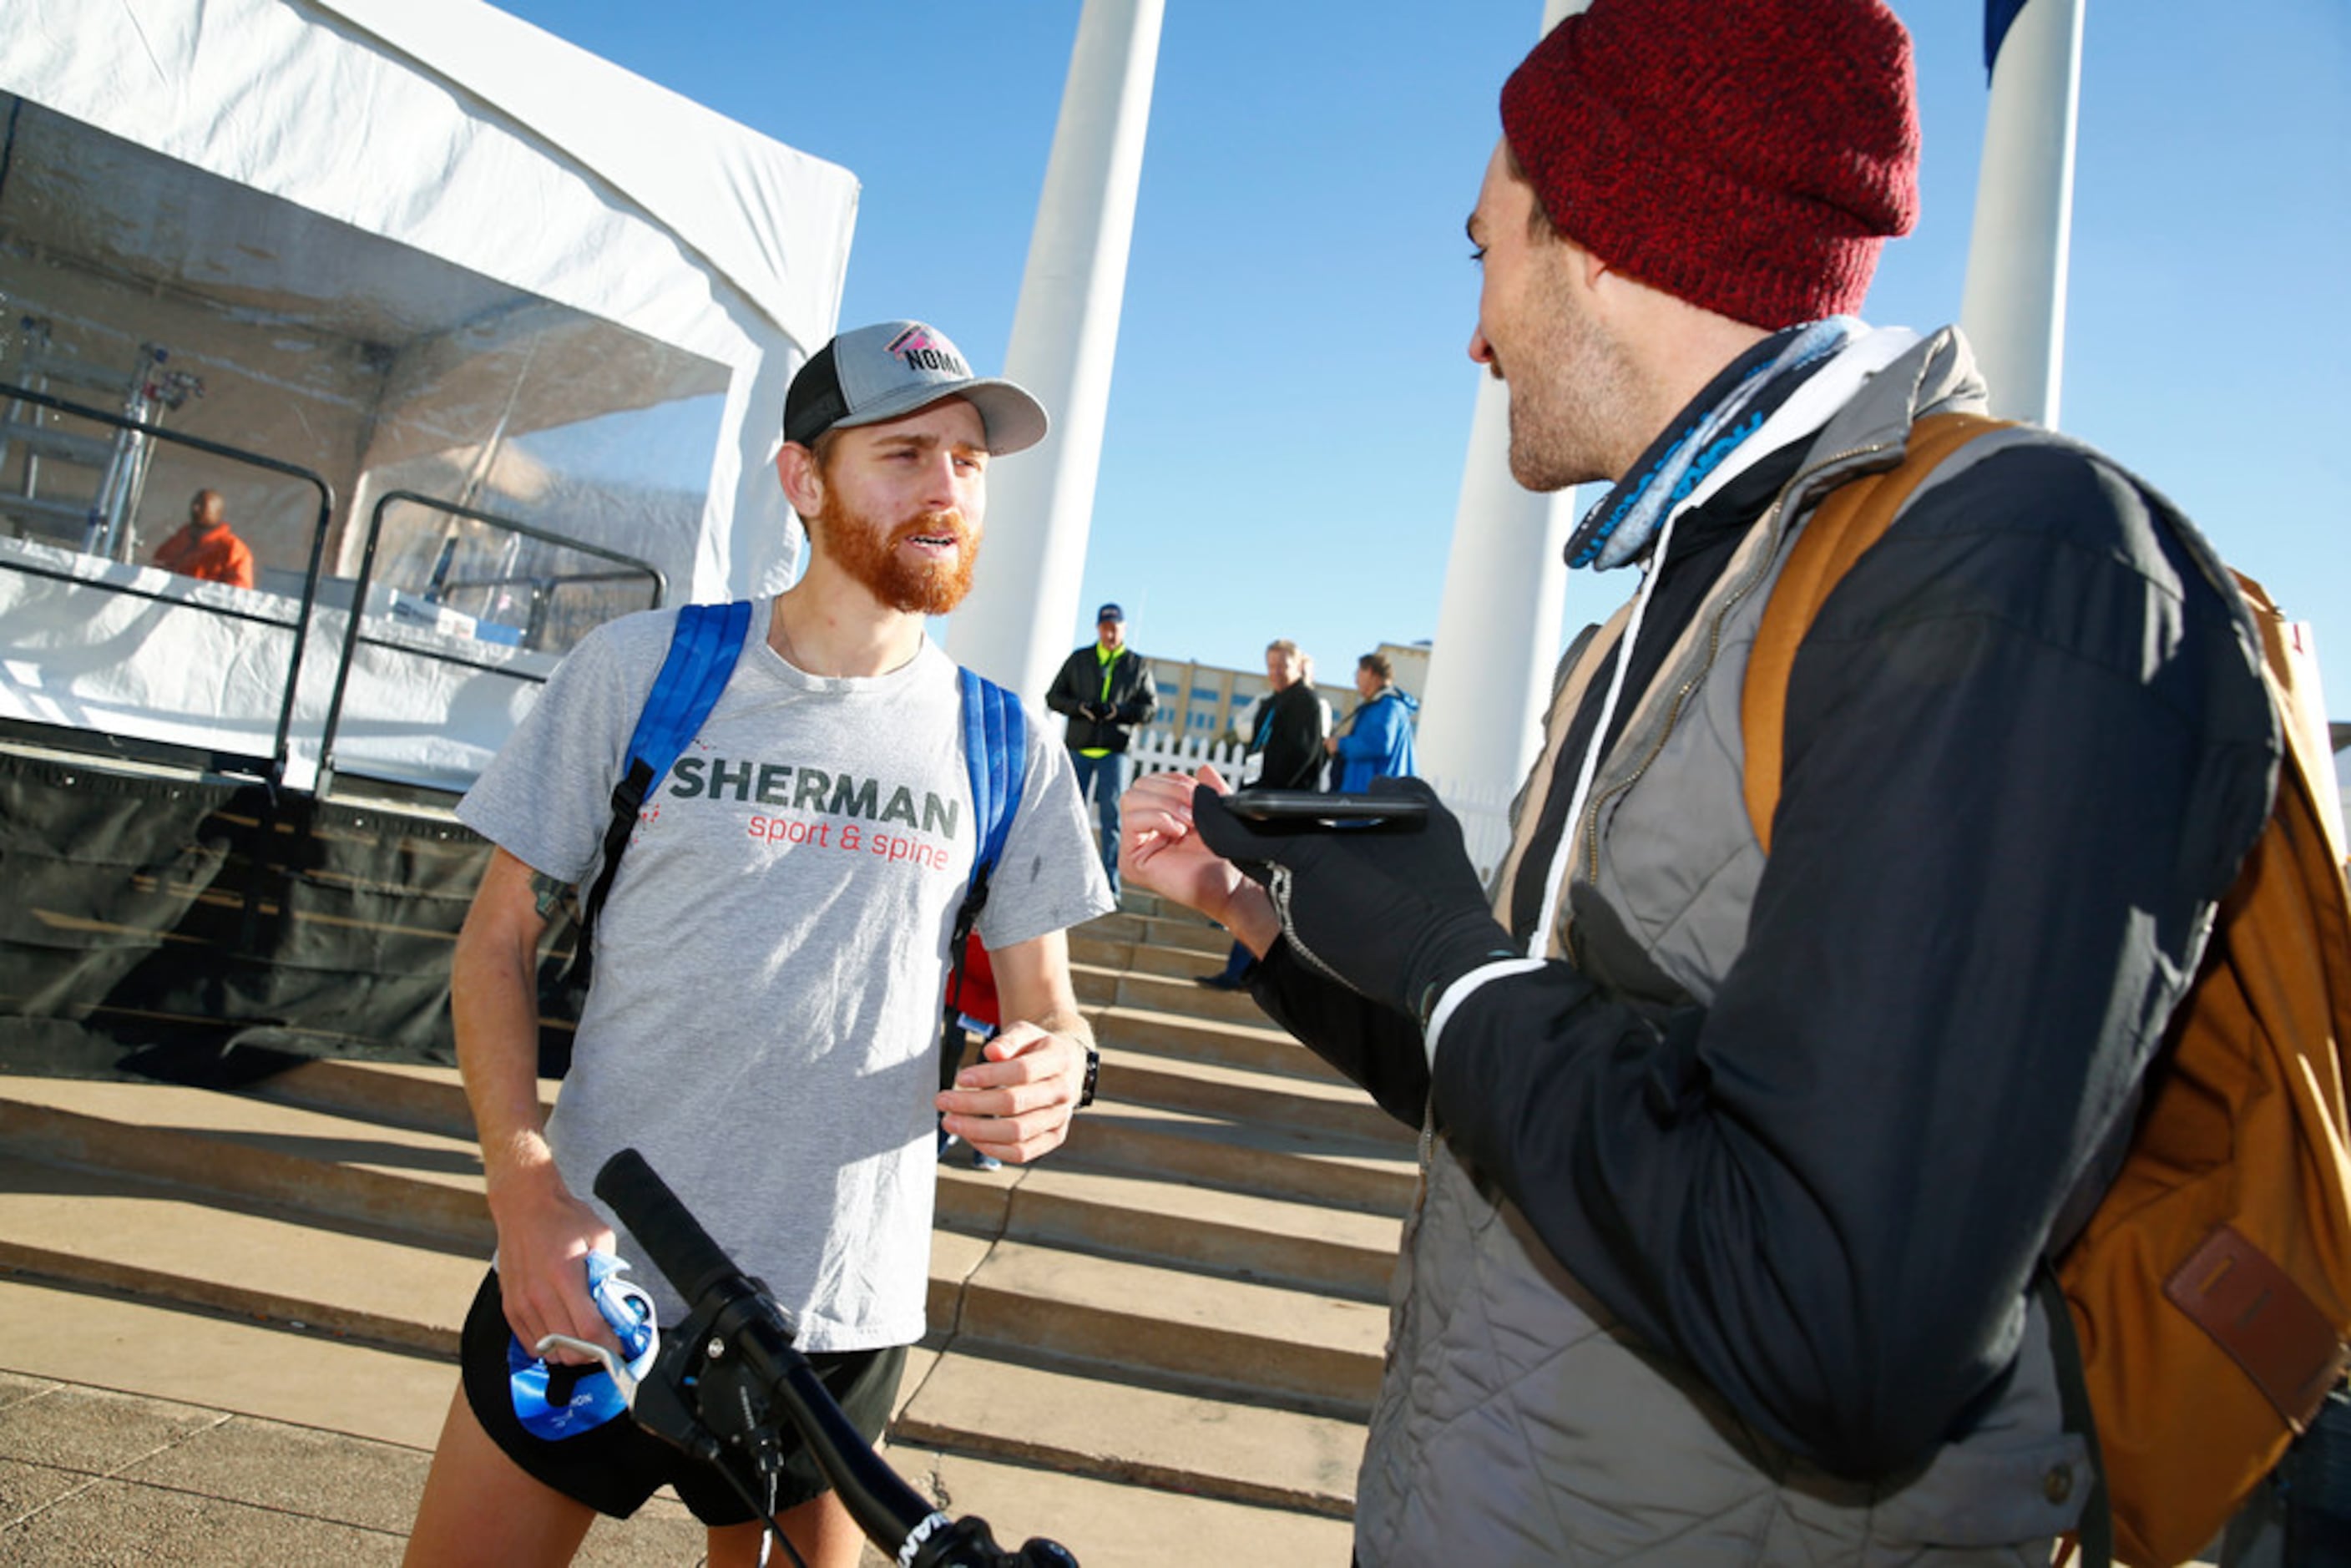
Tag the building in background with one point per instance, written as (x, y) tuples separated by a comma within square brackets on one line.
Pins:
[(1210, 702)]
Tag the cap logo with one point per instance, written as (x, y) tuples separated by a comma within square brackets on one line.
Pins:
[(917, 350)]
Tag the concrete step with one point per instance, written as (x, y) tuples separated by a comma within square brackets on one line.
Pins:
[(1256, 1046), (1123, 974), (1238, 1453), (423, 1185), (431, 1099), (394, 1094), (1376, 1178), (1302, 1242), (1302, 1105), (275, 1446), (1168, 1328), (235, 1148), (1344, 1152), (1151, 906), (1147, 919), (1110, 1526), (1182, 994), (1112, 949), (1160, 1342), (1304, 1224), (159, 1241), (1327, 1117), (1153, 1336), (1237, 1235)]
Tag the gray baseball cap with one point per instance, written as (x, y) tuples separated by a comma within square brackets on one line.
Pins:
[(882, 372)]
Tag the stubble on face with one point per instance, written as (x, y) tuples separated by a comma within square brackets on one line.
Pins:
[(1572, 382), (867, 550)]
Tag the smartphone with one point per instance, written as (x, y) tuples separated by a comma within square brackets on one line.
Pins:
[(1312, 808)]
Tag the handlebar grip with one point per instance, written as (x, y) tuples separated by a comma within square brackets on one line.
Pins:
[(673, 1239)]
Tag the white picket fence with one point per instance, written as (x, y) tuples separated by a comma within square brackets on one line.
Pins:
[(1152, 751), (1485, 813)]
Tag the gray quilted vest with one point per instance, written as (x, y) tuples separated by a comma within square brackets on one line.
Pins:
[(1519, 1422)]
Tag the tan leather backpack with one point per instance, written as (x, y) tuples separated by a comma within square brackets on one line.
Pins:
[(2210, 1292)]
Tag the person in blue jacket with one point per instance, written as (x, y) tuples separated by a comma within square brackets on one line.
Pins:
[(1376, 740)]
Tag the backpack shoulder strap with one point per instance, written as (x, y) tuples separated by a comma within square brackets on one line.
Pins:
[(703, 650), (2290, 669), (996, 754), (1852, 518)]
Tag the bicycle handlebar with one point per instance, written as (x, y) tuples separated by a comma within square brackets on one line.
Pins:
[(673, 1239), (893, 1515)]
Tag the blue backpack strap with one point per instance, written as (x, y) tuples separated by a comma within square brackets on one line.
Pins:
[(996, 754), (701, 654), (996, 751), (703, 648)]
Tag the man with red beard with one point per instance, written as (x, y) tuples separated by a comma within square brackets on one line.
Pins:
[(769, 968)]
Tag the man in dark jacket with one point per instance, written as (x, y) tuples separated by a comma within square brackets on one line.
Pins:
[(1745, 1157), (1104, 690), (1285, 743), (1288, 737)]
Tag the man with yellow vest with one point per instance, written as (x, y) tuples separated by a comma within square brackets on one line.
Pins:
[(1105, 691)]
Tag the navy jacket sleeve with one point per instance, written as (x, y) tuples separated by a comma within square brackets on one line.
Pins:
[(2025, 746)]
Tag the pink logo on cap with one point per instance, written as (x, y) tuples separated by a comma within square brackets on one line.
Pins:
[(917, 349)]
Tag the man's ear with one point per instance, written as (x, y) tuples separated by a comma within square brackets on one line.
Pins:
[(796, 465), (1589, 269)]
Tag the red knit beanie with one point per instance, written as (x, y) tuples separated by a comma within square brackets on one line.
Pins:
[(1749, 156)]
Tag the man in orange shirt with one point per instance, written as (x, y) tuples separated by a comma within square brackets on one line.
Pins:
[(206, 548)]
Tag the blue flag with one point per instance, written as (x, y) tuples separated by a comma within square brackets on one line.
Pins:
[(1998, 15)]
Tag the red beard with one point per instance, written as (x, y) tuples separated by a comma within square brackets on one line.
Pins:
[(868, 552)]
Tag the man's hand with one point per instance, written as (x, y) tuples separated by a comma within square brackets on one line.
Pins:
[(1398, 914), (544, 1235), (1159, 851), (1016, 1103)]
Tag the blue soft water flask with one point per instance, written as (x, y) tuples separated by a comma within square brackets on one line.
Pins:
[(558, 1402)]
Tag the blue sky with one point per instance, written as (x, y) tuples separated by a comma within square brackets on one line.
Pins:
[(1291, 404)]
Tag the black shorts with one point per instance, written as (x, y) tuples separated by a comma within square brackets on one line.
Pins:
[(615, 1466)]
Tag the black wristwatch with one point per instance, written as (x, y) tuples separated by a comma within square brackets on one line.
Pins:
[(1093, 1071)]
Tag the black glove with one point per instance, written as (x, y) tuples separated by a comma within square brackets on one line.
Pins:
[(1396, 915)]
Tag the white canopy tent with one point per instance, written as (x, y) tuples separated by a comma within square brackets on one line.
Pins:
[(406, 244)]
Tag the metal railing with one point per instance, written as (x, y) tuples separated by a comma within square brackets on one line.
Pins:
[(279, 752), (631, 568)]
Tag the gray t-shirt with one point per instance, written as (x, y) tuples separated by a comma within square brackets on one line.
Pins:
[(764, 1021)]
